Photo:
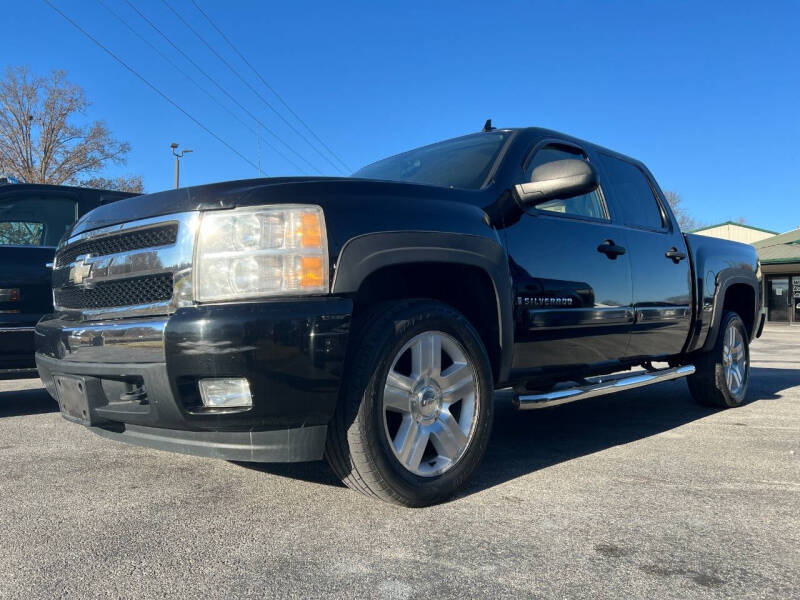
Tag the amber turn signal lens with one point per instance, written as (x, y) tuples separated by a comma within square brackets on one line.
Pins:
[(311, 231), (311, 271)]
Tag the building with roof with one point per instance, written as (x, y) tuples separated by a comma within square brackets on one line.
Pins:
[(735, 232), (780, 264)]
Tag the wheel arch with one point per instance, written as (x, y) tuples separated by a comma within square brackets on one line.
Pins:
[(468, 272), (740, 293)]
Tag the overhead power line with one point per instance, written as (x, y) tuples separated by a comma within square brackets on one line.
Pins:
[(224, 91), (277, 95), (169, 61), (150, 85), (248, 84)]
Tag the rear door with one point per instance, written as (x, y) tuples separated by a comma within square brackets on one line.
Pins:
[(659, 259), (572, 278)]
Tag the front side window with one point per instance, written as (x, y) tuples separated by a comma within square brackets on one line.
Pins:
[(632, 193), (463, 162), (35, 220), (587, 205)]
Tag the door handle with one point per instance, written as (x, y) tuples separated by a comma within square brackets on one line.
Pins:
[(676, 255), (610, 249)]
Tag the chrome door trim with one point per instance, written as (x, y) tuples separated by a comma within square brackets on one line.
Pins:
[(561, 318), (662, 314)]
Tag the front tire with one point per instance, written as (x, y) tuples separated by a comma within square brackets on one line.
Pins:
[(722, 375), (416, 410)]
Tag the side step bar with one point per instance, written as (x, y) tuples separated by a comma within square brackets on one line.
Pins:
[(607, 384)]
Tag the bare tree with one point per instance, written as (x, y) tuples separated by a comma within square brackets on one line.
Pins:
[(685, 221), (129, 183), (40, 140)]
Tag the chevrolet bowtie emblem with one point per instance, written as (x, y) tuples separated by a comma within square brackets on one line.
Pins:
[(79, 271)]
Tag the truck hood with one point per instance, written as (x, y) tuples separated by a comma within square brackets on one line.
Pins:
[(276, 190)]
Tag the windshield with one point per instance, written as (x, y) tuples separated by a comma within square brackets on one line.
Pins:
[(462, 162), (35, 220)]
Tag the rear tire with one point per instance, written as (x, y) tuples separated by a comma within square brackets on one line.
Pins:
[(722, 375), (416, 409)]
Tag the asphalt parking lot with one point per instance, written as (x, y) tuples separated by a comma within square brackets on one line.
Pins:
[(643, 494)]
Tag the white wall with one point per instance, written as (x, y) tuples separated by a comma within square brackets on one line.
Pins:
[(735, 233)]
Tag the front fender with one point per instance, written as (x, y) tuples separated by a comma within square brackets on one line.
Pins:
[(365, 254)]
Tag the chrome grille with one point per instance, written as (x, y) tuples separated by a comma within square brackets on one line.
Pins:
[(133, 269), (150, 237), (113, 294)]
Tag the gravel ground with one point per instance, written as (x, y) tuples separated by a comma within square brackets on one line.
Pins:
[(643, 494)]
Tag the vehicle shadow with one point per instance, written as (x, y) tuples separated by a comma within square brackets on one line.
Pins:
[(526, 441), (767, 383), (17, 403), (312, 472)]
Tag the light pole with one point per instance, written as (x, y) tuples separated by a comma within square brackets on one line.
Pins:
[(174, 146)]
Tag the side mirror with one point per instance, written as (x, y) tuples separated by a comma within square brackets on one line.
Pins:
[(558, 179)]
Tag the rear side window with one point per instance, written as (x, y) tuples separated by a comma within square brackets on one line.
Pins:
[(35, 220), (631, 190)]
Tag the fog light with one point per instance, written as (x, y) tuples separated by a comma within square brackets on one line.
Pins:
[(226, 393)]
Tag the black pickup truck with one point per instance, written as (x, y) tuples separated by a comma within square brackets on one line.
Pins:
[(33, 218), (369, 319)]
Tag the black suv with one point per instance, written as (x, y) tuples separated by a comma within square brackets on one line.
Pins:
[(369, 319), (33, 219)]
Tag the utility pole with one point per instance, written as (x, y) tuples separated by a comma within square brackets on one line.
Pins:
[(174, 146)]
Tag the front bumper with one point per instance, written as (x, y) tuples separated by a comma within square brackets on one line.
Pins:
[(141, 375)]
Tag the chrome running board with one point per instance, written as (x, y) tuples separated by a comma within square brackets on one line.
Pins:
[(607, 384)]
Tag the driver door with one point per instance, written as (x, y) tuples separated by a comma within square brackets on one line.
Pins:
[(572, 277)]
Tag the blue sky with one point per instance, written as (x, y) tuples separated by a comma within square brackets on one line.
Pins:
[(707, 94)]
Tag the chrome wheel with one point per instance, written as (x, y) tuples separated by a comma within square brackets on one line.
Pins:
[(734, 361), (430, 403)]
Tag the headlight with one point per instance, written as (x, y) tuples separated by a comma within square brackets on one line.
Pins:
[(253, 252)]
